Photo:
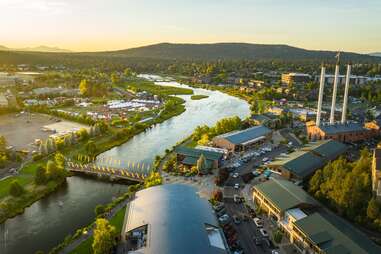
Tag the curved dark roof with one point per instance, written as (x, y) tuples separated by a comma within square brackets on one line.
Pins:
[(176, 217)]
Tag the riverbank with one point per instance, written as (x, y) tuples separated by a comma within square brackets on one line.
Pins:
[(12, 206)]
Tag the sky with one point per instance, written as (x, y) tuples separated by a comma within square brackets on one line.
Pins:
[(95, 25)]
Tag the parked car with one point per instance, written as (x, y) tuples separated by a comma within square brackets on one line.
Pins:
[(235, 175), (218, 207), (224, 219), (265, 159), (258, 241), (264, 233), (236, 186), (236, 219), (258, 222), (237, 199)]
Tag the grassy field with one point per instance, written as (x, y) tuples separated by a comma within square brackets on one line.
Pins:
[(116, 221), (144, 85), (199, 97)]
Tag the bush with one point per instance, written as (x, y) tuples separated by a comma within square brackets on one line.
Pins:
[(15, 189), (40, 176), (37, 157), (99, 209)]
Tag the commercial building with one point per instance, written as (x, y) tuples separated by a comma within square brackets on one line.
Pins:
[(308, 225), (189, 156), (172, 219), (355, 80), (302, 164), (376, 173), (292, 78), (341, 131), (237, 141)]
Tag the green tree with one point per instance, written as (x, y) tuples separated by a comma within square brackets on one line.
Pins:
[(373, 210), (59, 160), (91, 148), (3, 144), (84, 87), (104, 237), (40, 176), (115, 78), (15, 189), (99, 209)]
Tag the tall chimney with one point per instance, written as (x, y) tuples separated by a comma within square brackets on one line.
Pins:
[(321, 91), (345, 104), (333, 107)]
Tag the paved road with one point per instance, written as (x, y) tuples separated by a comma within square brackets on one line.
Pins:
[(246, 229)]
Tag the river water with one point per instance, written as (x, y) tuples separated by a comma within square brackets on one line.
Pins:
[(48, 221)]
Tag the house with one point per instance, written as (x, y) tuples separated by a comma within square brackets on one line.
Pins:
[(172, 219), (308, 225), (188, 157), (237, 141)]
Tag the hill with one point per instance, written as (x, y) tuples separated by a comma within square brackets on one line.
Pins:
[(376, 54), (234, 51), (40, 48)]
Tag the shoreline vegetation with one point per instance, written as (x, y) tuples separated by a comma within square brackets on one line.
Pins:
[(199, 97), (13, 206)]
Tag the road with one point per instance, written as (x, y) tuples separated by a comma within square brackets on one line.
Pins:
[(247, 230)]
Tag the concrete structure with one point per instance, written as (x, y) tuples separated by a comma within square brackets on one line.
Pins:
[(334, 93), (376, 173), (310, 227), (237, 141), (320, 100), (302, 164), (291, 78), (172, 219), (345, 103), (188, 157)]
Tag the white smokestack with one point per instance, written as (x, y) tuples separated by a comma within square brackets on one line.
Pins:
[(345, 104), (321, 91), (333, 107)]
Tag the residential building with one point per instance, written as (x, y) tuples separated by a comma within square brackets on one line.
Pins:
[(292, 78), (309, 226), (172, 219), (237, 141), (376, 173), (302, 164), (188, 157)]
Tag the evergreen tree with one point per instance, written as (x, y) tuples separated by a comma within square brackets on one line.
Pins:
[(104, 237)]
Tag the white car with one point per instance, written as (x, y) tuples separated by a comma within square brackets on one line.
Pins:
[(236, 186), (235, 175), (224, 218), (265, 159), (258, 222), (263, 232)]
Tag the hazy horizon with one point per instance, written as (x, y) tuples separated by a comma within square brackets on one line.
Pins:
[(99, 25)]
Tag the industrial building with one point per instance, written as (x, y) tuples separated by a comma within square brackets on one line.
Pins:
[(172, 219), (302, 164), (188, 157), (238, 141), (292, 78), (344, 130), (308, 225)]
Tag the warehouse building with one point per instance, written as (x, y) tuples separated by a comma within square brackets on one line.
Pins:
[(308, 225), (302, 164), (238, 141), (172, 219)]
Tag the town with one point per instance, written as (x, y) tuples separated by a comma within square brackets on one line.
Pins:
[(190, 127)]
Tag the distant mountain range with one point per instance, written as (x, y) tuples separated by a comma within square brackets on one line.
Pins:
[(182, 52), (376, 54), (233, 51), (41, 48)]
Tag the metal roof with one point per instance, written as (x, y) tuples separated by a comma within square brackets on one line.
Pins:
[(284, 194), (188, 160), (334, 235), (177, 219), (300, 163), (196, 153), (329, 149), (239, 137), (342, 128)]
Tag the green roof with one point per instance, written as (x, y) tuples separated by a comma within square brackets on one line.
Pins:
[(196, 153), (188, 160), (301, 163), (284, 194), (329, 149), (334, 235), (243, 136)]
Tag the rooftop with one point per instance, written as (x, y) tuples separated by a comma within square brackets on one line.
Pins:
[(239, 137), (284, 194), (196, 153), (341, 128), (178, 220), (329, 149), (334, 235)]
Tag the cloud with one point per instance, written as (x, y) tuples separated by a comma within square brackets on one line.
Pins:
[(41, 6)]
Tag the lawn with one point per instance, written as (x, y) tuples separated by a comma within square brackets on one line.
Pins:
[(143, 85), (116, 221), (199, 97)]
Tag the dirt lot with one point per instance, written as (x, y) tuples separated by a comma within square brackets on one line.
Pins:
[(21, 131)]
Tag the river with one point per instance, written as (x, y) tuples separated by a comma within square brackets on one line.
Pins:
[(45, 224)]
